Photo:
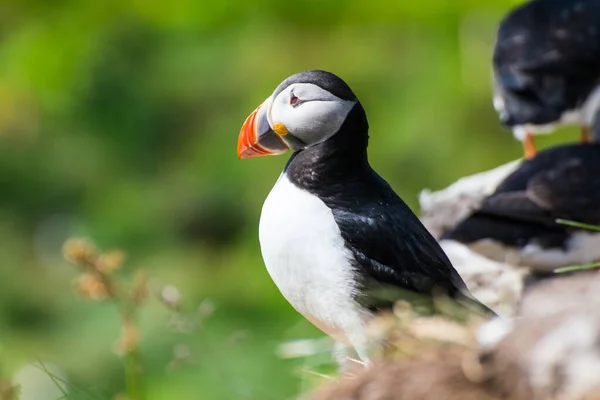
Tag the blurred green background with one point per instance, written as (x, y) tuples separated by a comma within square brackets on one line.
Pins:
[(119, 122)]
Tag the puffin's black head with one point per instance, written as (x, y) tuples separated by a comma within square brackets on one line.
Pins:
[(305, 109)]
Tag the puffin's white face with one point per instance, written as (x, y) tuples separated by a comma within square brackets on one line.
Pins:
[(308, 113), (299, 116)]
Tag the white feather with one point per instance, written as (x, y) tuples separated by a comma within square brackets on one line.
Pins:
[(304, 252), (318, 117)]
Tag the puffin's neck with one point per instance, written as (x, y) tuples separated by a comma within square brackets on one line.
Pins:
[(342, 156)]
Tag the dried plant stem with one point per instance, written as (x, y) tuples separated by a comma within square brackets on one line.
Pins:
[(133, 362), (97, 283), (133, 365), (133, 375)]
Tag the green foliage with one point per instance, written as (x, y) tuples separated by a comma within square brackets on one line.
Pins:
[(579, 225), (119, 121), (574, 268)]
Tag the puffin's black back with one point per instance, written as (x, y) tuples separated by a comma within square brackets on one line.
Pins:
[(389, 244), (547, 59), (560, 182)]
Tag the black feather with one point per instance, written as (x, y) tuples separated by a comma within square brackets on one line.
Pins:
[(560, 182), (547, 59), (325, 80), (390, 246)]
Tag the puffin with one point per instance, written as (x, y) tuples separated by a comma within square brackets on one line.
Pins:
[(546, 69), (517, 222), (338, 242)]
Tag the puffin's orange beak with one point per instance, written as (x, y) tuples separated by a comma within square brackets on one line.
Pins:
[(257, 138)]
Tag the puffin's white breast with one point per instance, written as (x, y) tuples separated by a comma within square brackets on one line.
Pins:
[(305, 255)]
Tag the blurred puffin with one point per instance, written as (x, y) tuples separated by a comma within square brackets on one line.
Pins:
[(547, 68), (517, 222), (338, 242)]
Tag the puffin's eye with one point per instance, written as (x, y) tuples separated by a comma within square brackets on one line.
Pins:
[(294, 100)]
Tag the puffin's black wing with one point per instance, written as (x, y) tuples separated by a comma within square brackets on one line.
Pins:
[(390, 245), (571, 190), (547, 59), (562, 182)]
